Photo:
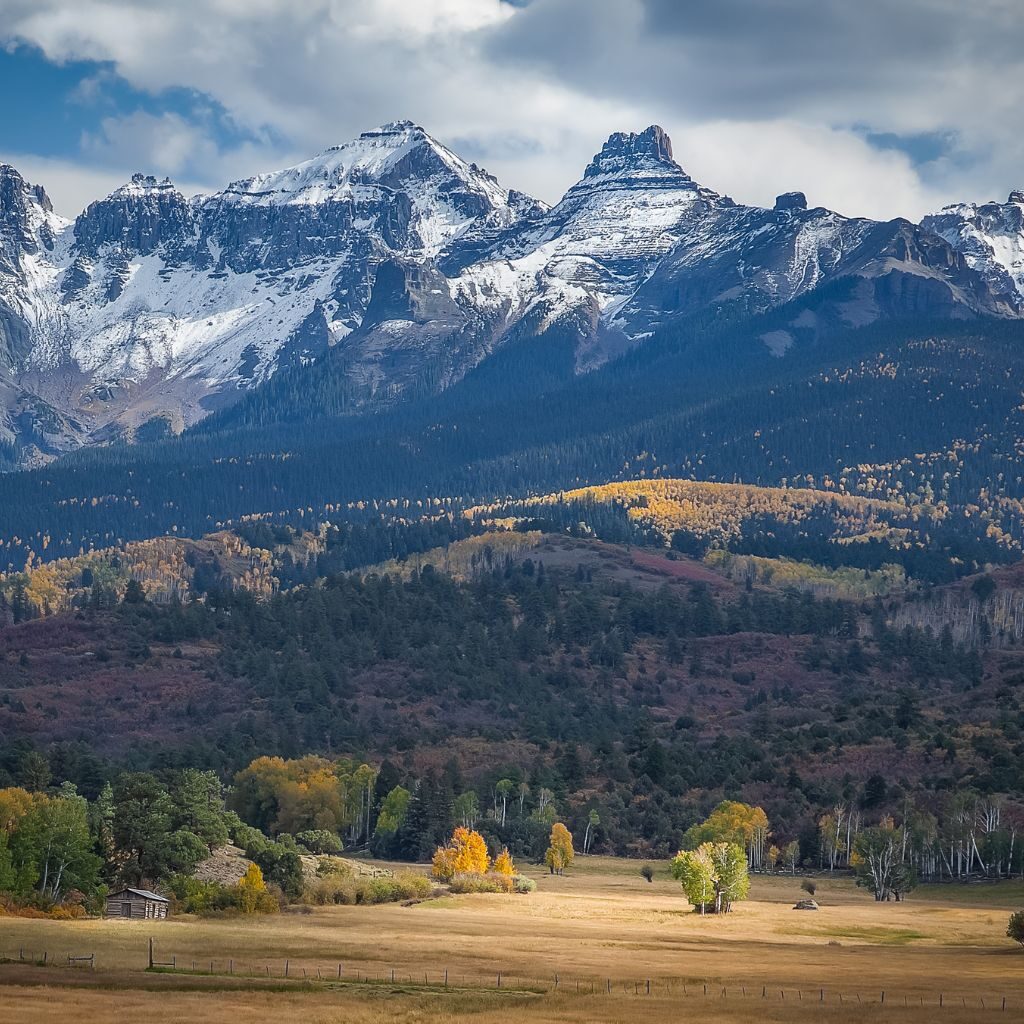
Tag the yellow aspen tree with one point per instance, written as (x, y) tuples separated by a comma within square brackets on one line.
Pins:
[(560, 852), (250, 887), (443, 864), (471, 855), (464, 854), (503, 864)]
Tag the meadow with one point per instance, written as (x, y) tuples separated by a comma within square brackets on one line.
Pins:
[(600, 926)]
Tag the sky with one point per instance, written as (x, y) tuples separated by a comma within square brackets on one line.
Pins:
[(871, 107)]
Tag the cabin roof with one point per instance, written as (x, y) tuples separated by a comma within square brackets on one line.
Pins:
[(141, 893)]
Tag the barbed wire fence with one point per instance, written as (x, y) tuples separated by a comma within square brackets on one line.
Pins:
[(338, 973)]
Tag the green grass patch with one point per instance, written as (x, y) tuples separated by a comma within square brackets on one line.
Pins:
[(877, 936), (998, 894)]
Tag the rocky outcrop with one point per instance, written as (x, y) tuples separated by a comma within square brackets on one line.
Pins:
[(139, 217), (791, 201)]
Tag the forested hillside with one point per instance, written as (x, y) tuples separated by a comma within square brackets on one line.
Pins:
[(918, 416), (624, 684)]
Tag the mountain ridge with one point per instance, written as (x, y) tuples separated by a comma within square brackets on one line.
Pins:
[(412, 266)]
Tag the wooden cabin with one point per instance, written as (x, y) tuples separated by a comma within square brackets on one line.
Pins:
[(137, 904)]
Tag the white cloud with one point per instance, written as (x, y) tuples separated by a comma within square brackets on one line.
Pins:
[(71, 185), (760, 104), (836, 169)]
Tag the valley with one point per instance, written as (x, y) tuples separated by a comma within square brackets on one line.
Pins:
[(511, 511), (600, 923)]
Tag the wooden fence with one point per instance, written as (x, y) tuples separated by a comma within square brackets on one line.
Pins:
[(45, 959), (336, 972), (681, 988)]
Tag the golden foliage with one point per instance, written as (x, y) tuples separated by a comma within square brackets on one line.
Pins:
[(560, 852), (503, 864), (251, 893), (844, 582), (466, 558), (443, 864), (717, 511), (464, 854), (164, 566), (305, 793), (15, 803)]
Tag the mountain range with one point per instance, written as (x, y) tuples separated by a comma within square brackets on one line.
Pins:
[(408, 267)]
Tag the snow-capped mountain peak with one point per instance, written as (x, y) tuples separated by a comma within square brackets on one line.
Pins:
[(28, 224), (415, 265), (637, 160), (990, 237), (592, 250), (397, 163), (632, 151), (142, 185)]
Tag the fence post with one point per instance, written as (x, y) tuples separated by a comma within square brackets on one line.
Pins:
[(499, 979), (151, 952), (648, 986), (446, 977), (339, 970), (940, 1000), (883, 997), (286, 968)]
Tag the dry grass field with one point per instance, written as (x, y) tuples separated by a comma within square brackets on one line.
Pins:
[(600, 923)]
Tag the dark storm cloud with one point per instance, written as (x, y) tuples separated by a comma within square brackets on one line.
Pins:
[(873, 61)]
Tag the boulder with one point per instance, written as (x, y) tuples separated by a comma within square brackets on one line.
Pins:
[(805, 905)]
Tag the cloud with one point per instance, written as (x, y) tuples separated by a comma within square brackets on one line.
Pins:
[(909, 70), (173, 145), (826, 96), (837, 169), (70, 184)]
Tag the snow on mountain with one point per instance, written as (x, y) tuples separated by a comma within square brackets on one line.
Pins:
[(990, 236), (411, 262), (636, 244), (154, 305), (630, 208)]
